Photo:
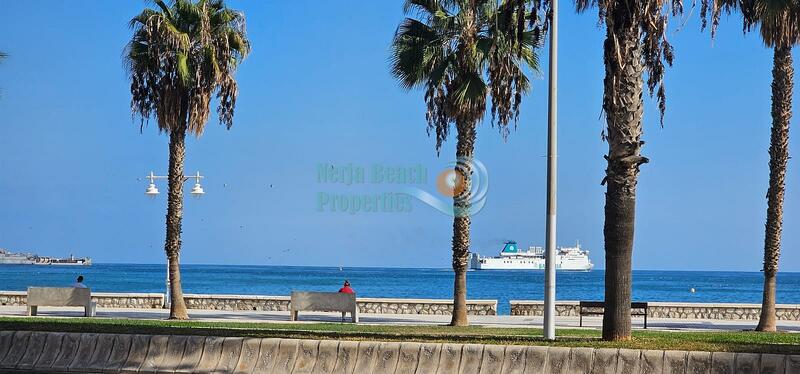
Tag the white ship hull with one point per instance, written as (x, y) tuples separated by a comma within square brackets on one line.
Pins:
[(511, 258), (500, 263)]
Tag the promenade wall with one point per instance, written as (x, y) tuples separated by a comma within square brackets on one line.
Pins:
[(718, 311), (268, 303), (724, 311), (46, 352)]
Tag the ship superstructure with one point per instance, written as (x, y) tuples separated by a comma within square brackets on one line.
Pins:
[(11, 258)]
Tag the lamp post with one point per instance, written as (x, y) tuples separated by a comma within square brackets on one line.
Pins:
[(552, 143), (152, 192)]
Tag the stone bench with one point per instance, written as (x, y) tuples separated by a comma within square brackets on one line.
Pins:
[(60, 296), (324, 302)]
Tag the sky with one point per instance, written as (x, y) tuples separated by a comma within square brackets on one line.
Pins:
[(316, 91)]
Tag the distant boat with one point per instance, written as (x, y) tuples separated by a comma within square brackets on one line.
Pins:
[(10, 258), (512, 258)]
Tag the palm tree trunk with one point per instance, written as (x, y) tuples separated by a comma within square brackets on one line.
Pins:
[(172, 246), (465, 148), (782, 86), (622, 102)]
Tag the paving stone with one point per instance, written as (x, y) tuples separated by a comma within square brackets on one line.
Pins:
[(287, 354), (119, 353), (652, 362), (535, 359), (675, 362), (176, 344), (387, 357), (557, 360), (604, 360), (326, 357), (155, 354), (628, 361), (409, 358), (365, 360), (191, 354), (33, 351), (267, 355), (471, 357), (580, 360), (307, 351), (747, 363), (52, 347), (793, 364), (429, 358), (770, 363), (698, 363), (231, 351), (69, 346), (18, 346), (212, 352), (249, 357), (136, 354), (5, 343), (84, 354), (723, 363), (346, 358), (449, 359), (102, 351)]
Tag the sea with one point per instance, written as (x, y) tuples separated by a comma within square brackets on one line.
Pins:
[(675, 286)]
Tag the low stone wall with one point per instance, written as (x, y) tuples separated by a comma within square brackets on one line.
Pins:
[(45, 352), (268, 303), (424, 306), (365, 305), (237, 302), (789, 312)]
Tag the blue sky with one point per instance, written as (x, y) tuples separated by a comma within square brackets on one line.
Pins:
[(317, 90)]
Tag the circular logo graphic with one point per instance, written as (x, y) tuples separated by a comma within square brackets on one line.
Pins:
[(450, 182)]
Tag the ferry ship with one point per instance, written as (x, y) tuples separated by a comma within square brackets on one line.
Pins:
[(10, 258), (513, 258)]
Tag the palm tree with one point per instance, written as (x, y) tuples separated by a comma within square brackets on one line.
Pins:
[(779, 25), (463, 52), (178, 57), (635, 43)]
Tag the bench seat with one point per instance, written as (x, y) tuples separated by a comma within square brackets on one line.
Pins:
[(60, 296), (596, 308), (324, 302)]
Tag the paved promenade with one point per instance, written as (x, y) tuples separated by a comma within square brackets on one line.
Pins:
[(397, 319)]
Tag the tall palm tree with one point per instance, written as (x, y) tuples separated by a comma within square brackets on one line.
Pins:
[(635, 44), (779, 24), (463, 52), (180, 55)]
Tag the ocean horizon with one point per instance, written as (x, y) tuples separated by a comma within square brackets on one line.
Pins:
[(396, 282)]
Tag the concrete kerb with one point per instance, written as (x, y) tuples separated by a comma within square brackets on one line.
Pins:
[(51, 352)]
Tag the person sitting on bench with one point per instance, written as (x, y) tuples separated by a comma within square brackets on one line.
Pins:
[(79, 282), (346, 288)]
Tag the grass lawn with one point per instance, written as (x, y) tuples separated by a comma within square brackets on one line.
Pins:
[(731, 341)]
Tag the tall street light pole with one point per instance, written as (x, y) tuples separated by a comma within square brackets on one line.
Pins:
[(152, 192), (552, 163)]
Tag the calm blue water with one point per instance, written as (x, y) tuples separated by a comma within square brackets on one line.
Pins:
[(742, 287)]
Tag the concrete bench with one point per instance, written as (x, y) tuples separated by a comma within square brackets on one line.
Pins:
[(60, 296), (324, 302)]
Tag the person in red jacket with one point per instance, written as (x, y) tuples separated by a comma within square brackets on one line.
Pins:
[(346, 288)]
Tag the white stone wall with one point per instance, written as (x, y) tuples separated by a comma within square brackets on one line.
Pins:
[(788, 312)]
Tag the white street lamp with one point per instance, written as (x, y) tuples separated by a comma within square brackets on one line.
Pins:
[(152, 192)]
